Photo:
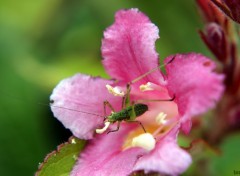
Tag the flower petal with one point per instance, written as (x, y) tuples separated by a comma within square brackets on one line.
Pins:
[(128, 47), (196, 87), (166, 158), (76, 98), (104, 156)]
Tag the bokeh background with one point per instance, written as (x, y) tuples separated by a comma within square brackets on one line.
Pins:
[(44, 41)]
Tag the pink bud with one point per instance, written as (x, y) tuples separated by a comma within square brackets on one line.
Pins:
[(215, 38)]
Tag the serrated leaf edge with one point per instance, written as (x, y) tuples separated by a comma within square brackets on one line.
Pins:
[(71, 140)]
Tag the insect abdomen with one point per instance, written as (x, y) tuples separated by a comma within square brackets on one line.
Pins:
[(119, 116), (139, 109), (125, 114)]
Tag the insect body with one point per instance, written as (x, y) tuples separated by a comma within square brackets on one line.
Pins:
[(128, 114), (129, 111)]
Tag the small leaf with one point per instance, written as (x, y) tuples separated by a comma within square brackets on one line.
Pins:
[(61, 161)]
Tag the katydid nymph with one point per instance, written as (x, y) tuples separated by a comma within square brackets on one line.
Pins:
[(130, 110)]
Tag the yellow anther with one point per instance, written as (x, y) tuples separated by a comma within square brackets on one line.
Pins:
[(116, 91), (161, 118), (146, 87)]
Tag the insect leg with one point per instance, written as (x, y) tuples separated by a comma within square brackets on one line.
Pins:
[(126, 98), (140, 123), (123, 102), (142, 101), (106, 103), (151, 71), (133, 113), (118, 126)]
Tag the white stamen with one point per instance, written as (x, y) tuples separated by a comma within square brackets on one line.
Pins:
[(116, 91), (146, 87), (161, 118), (145, 141), (73, 141), (102, 130)]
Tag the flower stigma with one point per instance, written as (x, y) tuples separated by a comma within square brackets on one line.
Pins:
[(102, 130), (145, 141), (116, 91)]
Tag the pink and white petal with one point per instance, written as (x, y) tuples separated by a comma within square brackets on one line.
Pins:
[(128, 47), (75, 98), (104, 156), (191, 78), (166, 158)]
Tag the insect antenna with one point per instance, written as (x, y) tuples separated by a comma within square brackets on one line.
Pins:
[(151, 71), (14, 97), (43, 104), (154, 100)]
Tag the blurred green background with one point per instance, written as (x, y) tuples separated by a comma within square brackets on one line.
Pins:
[(44, 41)]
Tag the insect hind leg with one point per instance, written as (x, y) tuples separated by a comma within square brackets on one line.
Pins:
[(140, 123), (126, 98), (152, 70), (156, 100)]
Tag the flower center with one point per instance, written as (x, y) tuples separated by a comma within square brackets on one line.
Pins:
[(148, 140), (156, 122)]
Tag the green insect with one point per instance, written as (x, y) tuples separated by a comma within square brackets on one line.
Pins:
[(130, 110), (128, 113)]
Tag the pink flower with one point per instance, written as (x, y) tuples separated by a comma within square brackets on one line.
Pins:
[(128, 49)]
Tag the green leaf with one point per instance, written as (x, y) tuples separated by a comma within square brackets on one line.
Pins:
[(61, 161), (211, 161), (228, 162), (201, 152)]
